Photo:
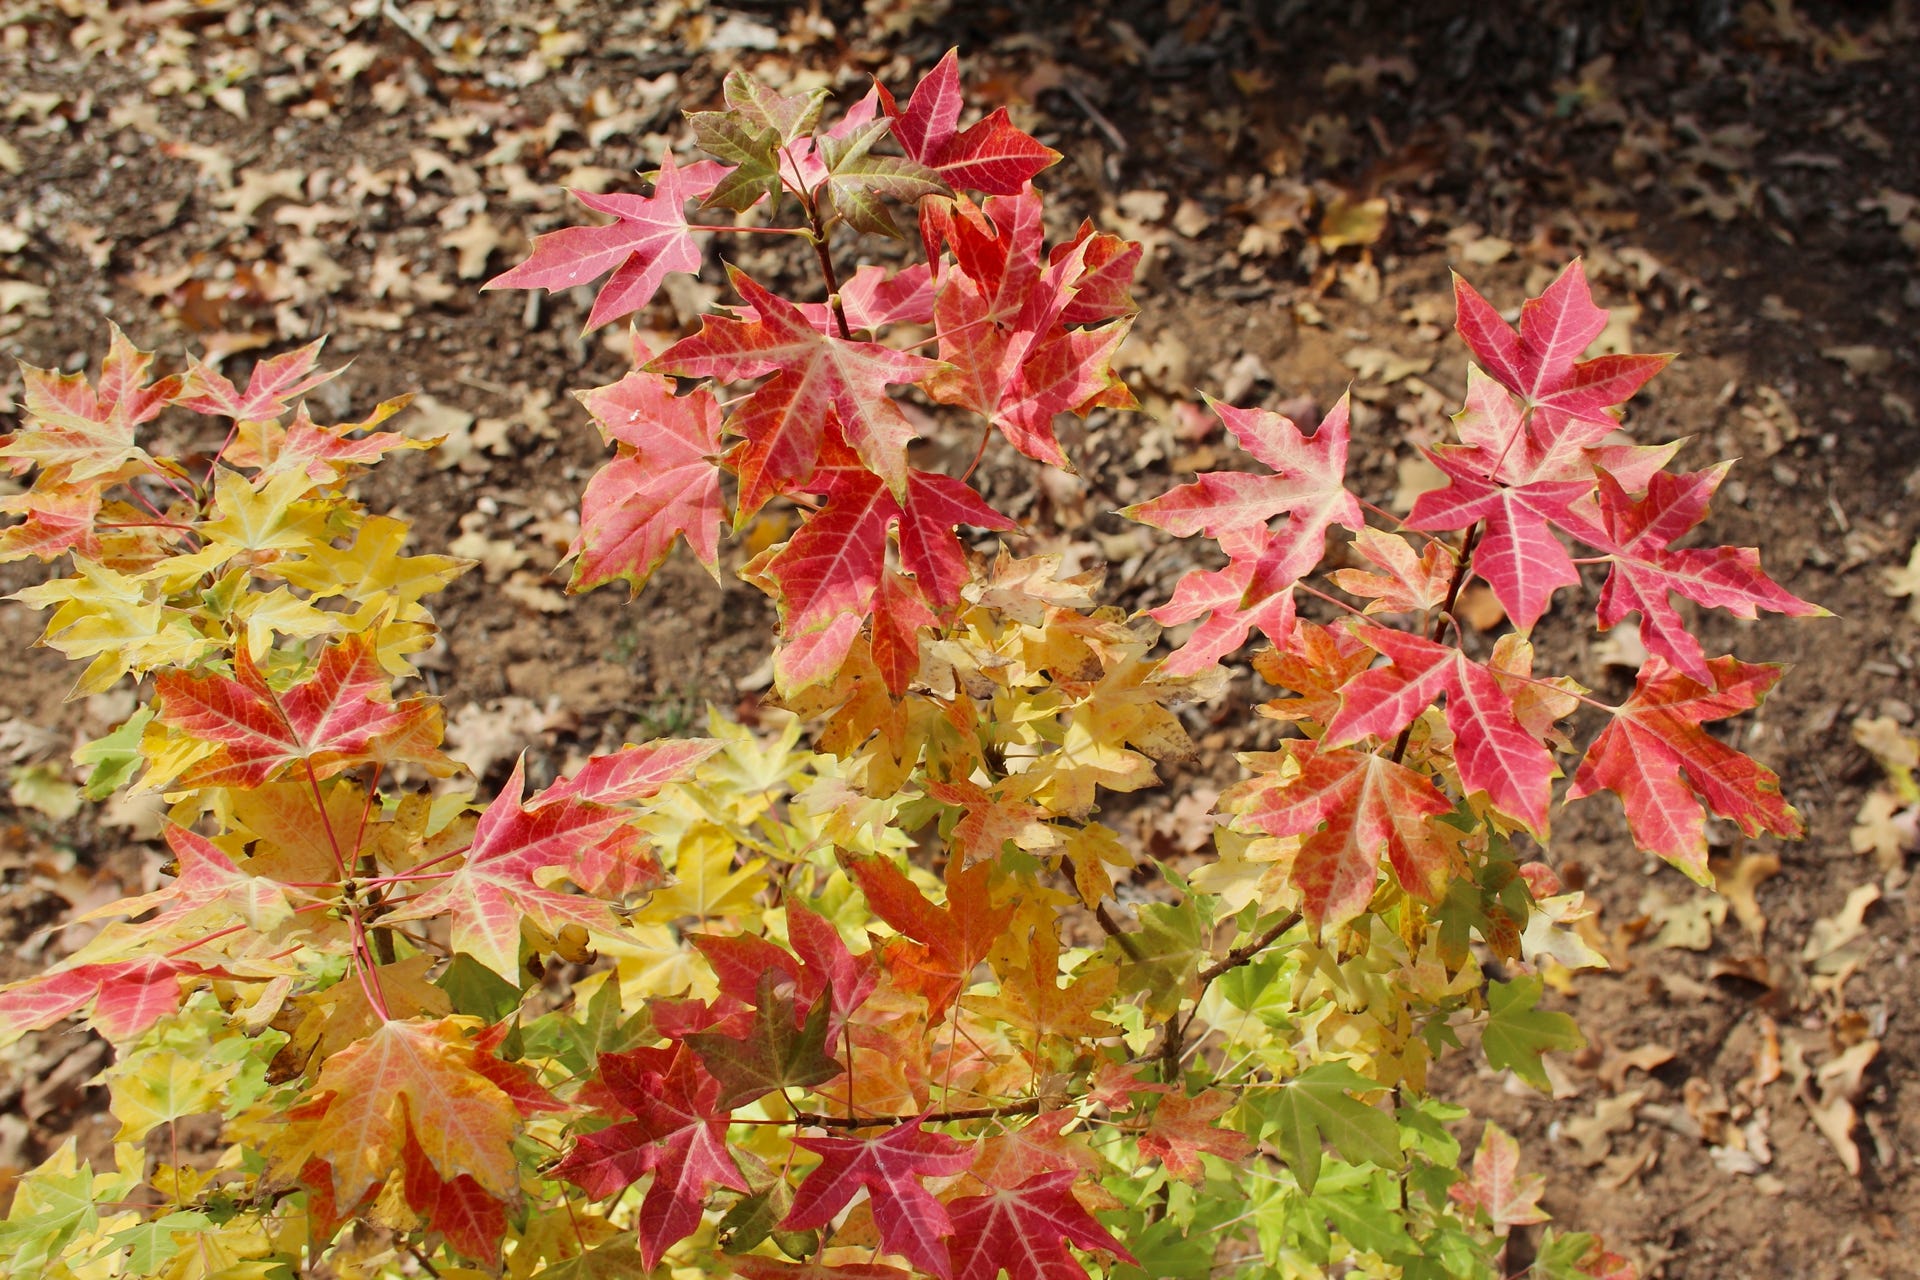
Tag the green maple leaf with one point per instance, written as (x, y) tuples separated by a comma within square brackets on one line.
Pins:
[(773, 1055), (152, 1243), (753, 152), (1517, 1033), (1163, 959), (114, 757), (858, 180), (1317, 1106), (477, 990), (48, 1211)]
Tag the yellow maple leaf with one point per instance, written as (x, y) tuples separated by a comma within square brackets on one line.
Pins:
[(416, 1076)]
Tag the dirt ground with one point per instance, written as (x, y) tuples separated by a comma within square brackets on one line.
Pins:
[(1741, 179)]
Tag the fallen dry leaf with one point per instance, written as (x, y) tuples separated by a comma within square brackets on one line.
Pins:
[(1831, 944), (1738, 878), (1594, 1134)]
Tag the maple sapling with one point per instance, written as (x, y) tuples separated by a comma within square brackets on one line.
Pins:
[(861, 998)]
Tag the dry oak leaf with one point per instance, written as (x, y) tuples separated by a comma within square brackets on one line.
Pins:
[(423, 1081)]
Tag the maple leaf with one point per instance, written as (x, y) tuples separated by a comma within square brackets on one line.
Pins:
[(873, 298), (1221, 595), (1505, 442), (1517, 1032), (991, 156), (754, 1268), (634, 772), (1518, 554), (827, 575), (774, 1054), (649, 238), (1407, 583), (1315, 663), (1354, 807), (1662, 764), (1001, 312), (1025, 1232), (322, 453), (678, 1133), (335, 717), (415, 1081), (1541, 362), (815, 377), (459, 1208), (989, 821), (1317, 1106), (127, 996), (889, 1166), (1496, 1186), (939, 946), (857, 178), (54, 523), (1493, 752), (87, 429), (1182, 1128), (1636, 535), (663, 484), (1233, 508), (495, 886), (271, 387)]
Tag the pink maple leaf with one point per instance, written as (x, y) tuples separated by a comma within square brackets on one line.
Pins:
[(495, 887), (649, 238), (270, 388), (1493, 752), (663, 484), (991, 156)]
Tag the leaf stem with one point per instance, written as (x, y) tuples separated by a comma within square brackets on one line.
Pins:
[(1462, 563)]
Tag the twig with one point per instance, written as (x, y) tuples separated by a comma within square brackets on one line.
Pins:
[(809, 1119), (419, 35), (1113, 136)]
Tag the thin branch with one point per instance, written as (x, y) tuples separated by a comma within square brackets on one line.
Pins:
[(809, 1119), (1245, 953)]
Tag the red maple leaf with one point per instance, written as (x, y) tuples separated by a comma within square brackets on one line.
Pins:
[(1182, 1128), (1408, 582), (55, 523), (1636, 535), (1234, 508), (1025, 1232), (1493, 752), (127, 996), (1505, 442), (462, 1210), (816, 378), (649, 238), (1354, 807), (678, 1133), (323, 452), (339, 715), (1541, 363), (1657, 758), (819, 965), (911, 1222), (494, 889), (898, 615), (270, 388), (831, 568), (1221, 595), (1496, 1186), (634, 772), (663, 483), (939, 946), (992, 156)]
